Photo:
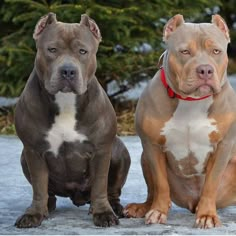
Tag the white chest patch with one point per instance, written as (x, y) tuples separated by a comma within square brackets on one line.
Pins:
[(187, 132), (63, 128)]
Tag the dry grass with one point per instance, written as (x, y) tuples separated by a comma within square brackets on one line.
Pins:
[(124, 111), (125, 122), (7, 121)]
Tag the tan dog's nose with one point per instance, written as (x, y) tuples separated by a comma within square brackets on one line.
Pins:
[(205, 71)]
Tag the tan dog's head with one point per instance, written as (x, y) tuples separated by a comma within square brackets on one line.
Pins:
[(196, 57), (66, 53)]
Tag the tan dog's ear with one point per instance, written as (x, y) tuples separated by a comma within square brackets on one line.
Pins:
[(171, 26), (42, 23), (220, 23), (91, 24)]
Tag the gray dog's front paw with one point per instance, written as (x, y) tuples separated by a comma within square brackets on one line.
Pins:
[(29, 221), (105, 219)]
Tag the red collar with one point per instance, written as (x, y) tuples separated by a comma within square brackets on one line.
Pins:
[(172, 94)]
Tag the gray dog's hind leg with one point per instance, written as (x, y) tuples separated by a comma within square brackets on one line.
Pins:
[(118, 172)]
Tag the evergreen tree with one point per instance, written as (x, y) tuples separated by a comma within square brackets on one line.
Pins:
[(131, 32)]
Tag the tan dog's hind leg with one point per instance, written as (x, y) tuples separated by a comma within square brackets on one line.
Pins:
[(158, 201), (161, 192), (138, 210)]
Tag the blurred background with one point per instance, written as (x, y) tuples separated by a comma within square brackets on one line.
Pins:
[(128, 54)]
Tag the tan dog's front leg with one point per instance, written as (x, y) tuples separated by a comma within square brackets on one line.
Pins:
[(161, 192), (38, 171), (206, 210)]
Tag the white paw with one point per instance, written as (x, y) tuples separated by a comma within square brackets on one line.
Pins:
[(155, 217), (207, 222)]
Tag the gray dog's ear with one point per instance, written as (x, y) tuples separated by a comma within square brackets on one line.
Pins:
[(220, 23), (91, 24), (42, 23), (171, 26)]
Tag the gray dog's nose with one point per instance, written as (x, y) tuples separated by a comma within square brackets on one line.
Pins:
[(68, 72), (205, 71)]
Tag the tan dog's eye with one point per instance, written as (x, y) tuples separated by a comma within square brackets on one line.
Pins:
[(82, 51), (52, 50), (216, 51), (185, 52)]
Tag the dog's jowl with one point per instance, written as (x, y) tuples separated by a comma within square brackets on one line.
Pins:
[(186, 119), (68, 126)]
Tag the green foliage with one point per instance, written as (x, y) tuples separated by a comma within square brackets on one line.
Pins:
[(128, 23)]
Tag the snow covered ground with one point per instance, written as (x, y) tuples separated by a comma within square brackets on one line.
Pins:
[(15, 196)]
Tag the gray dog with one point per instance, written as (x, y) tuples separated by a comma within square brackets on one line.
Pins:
[(68, 126)]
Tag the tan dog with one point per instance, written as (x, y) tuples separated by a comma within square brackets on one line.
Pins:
[(186, 119)]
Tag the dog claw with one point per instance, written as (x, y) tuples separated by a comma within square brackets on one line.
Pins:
[(207, 222), (29, 221), (155, 217), (105, 219), (125, 212)]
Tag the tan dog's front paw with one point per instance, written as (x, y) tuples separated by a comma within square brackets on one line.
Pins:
[(207, 222), (136, 210), (155, 217)]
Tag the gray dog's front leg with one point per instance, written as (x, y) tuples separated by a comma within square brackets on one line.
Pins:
[(38, 171), (103, 214)]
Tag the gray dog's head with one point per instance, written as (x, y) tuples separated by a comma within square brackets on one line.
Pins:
[(66, 53)]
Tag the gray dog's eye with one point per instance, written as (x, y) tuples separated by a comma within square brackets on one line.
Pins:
[(52, 50), (82, 51)]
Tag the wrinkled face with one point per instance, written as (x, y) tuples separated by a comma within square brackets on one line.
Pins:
[(197, 59), (66, 57)]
